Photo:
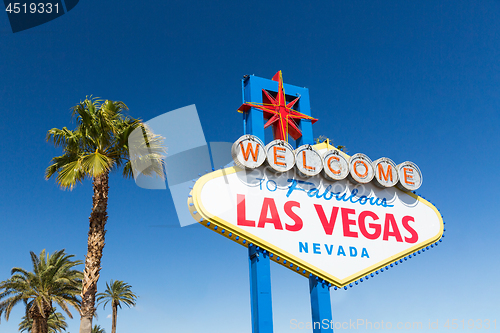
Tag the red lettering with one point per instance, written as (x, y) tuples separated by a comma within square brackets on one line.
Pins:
[(327, 225), (269, 205), (368, 230), (240, 212), (385, 175), (304, 162), (249, 151), (298, 221), (276, 156), (362, 227), (356, 169), (390, 221), (337, 172), (408, 176), (346, 222), (414, 235)]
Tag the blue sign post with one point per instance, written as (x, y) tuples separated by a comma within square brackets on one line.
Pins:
[(321, 308), (260, 274), (260, 291)]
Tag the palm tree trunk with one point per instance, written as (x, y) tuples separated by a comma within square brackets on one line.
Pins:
[(40, 324), (115, 312), (97, 220)]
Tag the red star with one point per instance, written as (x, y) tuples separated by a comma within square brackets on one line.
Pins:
[(278, 113)]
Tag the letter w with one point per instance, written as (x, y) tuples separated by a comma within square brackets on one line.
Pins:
[(327, 224), (250, 151)]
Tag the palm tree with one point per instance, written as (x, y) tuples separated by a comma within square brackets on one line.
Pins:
[(321, 139), (55, 323), (117, 292), (98, 145), (53, 280), (98, 329)]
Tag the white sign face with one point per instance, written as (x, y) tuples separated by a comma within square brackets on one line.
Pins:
[(335, 230)]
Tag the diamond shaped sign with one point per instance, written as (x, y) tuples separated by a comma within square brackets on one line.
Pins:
[(339, 230)]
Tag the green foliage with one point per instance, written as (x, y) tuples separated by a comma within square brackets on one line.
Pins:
[(117, 292), (99, 143), (322, 138), (53, 279), (98, 329), (56, 323)]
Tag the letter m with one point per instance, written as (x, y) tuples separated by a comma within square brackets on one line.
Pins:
[(381, 172)]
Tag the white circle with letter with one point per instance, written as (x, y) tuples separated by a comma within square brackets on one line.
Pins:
[(308, 161), (280, 155), (410, 177), (386, 173), (248, 152), (336, 166), (361, 169)]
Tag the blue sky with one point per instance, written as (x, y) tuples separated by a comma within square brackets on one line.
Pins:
[(415, 81)]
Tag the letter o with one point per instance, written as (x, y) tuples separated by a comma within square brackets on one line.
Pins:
[(360, 169)]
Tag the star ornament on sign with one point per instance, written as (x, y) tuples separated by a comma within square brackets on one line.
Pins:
[(278, 113)]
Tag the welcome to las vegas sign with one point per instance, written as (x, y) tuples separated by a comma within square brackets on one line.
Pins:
[(337, 229), (316, 210)]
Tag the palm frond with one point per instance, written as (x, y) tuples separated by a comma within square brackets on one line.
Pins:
[(70, 173), (117, 292), (53, 279), (96, 164), (98, 329), (55, 322), (60, 137), (100, 143)]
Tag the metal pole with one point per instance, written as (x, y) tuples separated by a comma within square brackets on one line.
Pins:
[(321, 308), (260, 291)]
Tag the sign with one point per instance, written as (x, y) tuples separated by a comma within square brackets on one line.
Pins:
[(317, 210), (281, 157)]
